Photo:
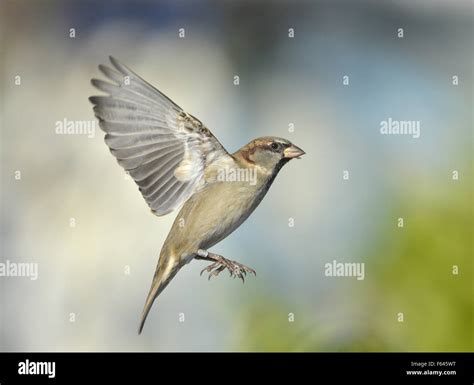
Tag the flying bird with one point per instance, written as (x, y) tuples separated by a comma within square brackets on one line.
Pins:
[(177, 162)]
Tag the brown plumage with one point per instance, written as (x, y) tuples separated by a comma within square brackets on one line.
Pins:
[(176, 161)]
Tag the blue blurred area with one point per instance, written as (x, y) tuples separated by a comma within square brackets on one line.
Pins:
[(152, 14)]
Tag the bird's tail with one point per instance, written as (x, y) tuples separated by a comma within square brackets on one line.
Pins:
[(165, 271)]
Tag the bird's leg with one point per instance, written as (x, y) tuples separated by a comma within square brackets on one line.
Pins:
[(220, 263)]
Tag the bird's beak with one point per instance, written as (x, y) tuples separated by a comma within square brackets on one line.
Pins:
[(293, 152)]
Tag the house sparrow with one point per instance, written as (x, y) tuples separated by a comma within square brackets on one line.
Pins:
[(175, 159)]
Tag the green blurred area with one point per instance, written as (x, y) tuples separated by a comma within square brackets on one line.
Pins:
[(423, 270)]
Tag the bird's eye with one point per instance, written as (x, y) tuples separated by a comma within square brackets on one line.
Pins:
[(274, 146)]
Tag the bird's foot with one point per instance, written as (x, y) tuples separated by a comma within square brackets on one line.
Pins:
[(220, 263)]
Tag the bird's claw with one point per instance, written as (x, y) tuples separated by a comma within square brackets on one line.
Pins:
[(236, 269)]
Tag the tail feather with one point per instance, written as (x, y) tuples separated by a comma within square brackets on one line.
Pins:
[(164, 273)]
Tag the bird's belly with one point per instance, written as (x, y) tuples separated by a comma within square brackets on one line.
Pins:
[(209, 217), (233, 215)]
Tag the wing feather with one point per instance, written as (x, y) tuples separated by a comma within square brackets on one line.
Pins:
[(164, 149)]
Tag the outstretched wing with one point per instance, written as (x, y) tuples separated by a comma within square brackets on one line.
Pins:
[(163, 148)]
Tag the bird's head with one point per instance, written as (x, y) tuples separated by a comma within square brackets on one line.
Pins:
[(270, 153)]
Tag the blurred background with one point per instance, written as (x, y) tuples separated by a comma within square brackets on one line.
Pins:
[(74, 212)]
